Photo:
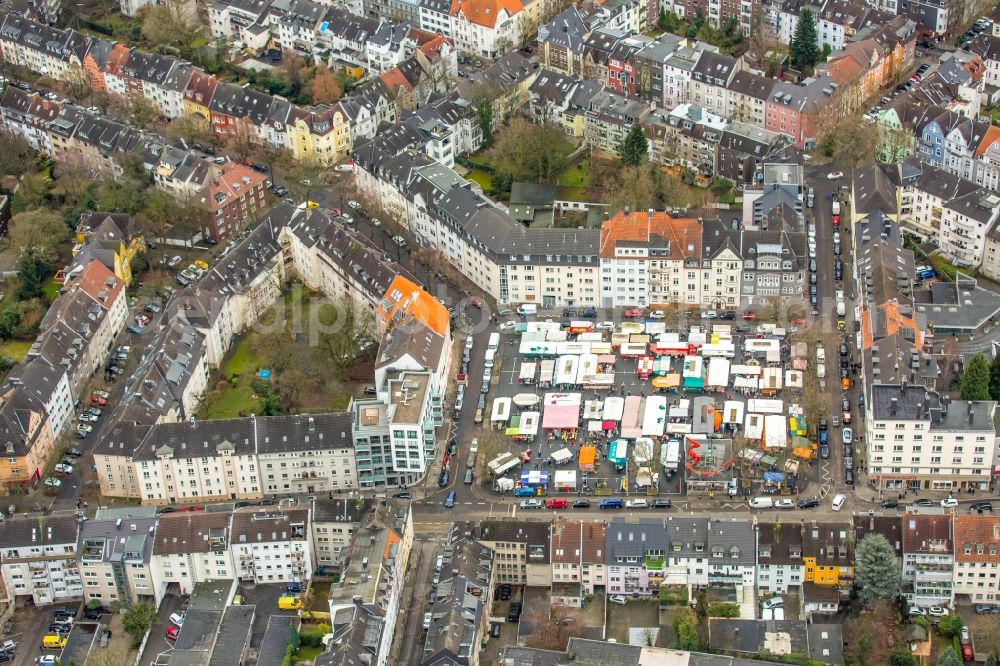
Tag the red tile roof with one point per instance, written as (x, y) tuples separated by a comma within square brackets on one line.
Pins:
[(683, 234), (100, 283), (976, 532), (484, 12), (405, 299), (234, 181)]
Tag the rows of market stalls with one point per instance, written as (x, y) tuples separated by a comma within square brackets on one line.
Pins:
[(637, 408)]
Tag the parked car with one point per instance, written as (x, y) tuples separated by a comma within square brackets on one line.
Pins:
[(937, 611), (660, 504), (949, 503), (838, 502), (784, 503), (105, 638), (981, 507), (638, 503), (618, 599), (531, 504), (922, 502), (177, 619), (889, 504), (172, 633), (847, 435), (987, 609), (581, 504), (809, 503), (772, 603)]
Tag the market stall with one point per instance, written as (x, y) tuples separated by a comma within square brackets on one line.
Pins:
[(693, 375), (670, 456), (770, 381), (753, 428), (654, 416), (775, 431), (631, 420), (527, 373), (534, 477), (766, 406), (670, 383), (644, 450), (618, 454), (572, 348), (632, 350), (614, 408), (562, 456), (523, 400), (566, 371), (793, 379), (645, 367), (564, 480), (528, 427), (588, 458), (546, 375), (501, 412), (537, 349), (732, 412), (586, 367), (718, 374)]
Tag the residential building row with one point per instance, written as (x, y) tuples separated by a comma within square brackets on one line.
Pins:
[(324, 135), (130, 555), (39, 397), (388, 439)]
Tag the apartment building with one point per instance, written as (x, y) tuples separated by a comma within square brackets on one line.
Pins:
[(780, 564), (919, 439), (334, 525), (29, 440), (649, 258), (577, 560), (366, 600), (460, 612), (977, 560), (231, 199), (774, 265), (228, 459), (635, 556), (521, 550), (116, 550), (191, 548), (828, 554), (928, 560), (486, 28), (271, 544), (40, 559)]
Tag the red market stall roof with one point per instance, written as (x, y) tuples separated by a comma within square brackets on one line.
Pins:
[(561, 416)]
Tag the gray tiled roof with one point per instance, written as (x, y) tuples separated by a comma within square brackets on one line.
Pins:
[(735, 539), (625, 539), (19, 532)]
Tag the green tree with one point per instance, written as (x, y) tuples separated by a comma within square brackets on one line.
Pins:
[(976, 379), (32, 272), (951, 626), (878, 573), (991, 660), (534, 152), (293, 637), (947, 657), (634, 149), (483, 99), (804, 49), (40, 231), (995, 378), (901, 657), (686, 631), (137, 620)]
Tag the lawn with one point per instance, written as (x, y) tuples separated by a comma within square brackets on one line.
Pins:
[(233, 393), (481, 178), (307, 654), (52, 290), (237, 399), (15, 350), (577, 175)]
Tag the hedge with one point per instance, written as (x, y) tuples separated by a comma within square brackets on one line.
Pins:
[(311, 638), (669, 597)]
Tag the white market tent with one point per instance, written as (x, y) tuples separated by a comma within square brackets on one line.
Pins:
[(501, 410), (654, 418), (764, 406), (754, 426), (775, 431), (614, 407), (732, 412)]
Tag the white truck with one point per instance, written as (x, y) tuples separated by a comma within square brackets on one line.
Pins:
[(835, 207)]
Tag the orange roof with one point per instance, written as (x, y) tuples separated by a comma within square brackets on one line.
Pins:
[(976, 531), (117, 58), (393, 539), (683, 234), (235, 180), (95, 279), (485, 12), (587, 455), (407, 299), (992, 136), (394, 79), (430, 47)]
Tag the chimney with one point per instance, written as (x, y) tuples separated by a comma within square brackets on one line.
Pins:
[(650, 215), (312, 424), (892, 406)]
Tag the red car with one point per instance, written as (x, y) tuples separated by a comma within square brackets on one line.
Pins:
[(633, 313), (557, 503), (193, 508), (749, 315), (967, 652), (98, 400), (172, 633), (836, 220)]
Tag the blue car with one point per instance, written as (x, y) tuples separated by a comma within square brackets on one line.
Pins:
[(449, 501), (135, 330)]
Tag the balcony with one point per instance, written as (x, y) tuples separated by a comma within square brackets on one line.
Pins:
[(655, 562)]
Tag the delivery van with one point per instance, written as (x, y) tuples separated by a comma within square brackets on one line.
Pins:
[(761, 502), (288, 602), (841, 309), (527, 309), (611, 503), (491, 355), (54, 642), (494, 342)]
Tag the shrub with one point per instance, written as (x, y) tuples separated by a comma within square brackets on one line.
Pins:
[(673, 597), (723, 610), (287, 661), (312, 638)]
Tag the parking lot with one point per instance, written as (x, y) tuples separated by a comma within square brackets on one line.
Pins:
[(636, 614), (265, 598)]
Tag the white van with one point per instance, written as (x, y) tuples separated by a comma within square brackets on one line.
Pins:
[(527, 309), (494, 342), (490, 356), (734, 487), (761, 502), (468, 343), (841, 309)]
